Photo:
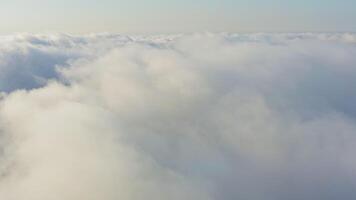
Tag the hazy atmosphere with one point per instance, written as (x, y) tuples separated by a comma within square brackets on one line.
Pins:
[(173, 16), (177, 100)]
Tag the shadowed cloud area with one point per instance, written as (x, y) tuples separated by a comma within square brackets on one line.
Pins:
[(190, 116)]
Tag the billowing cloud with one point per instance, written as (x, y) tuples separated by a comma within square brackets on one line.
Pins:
[(200, 116)]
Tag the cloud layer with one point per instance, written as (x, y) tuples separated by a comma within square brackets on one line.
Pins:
[(200, 116)]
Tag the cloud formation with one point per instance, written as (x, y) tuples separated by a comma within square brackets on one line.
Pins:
[(200, 116)]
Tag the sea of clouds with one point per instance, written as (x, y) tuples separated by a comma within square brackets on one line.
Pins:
[(178, 117)]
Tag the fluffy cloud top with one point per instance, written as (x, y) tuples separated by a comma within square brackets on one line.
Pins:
[(200, 116)]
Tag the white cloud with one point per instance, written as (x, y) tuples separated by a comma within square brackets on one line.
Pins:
[(201, 116)]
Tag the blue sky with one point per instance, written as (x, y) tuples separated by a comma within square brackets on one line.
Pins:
[(162, 16)]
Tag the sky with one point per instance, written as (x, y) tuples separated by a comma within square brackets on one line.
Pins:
[(191, 99), (172, 16)]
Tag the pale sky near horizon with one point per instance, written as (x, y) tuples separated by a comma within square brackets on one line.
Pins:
[(167, 16)]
